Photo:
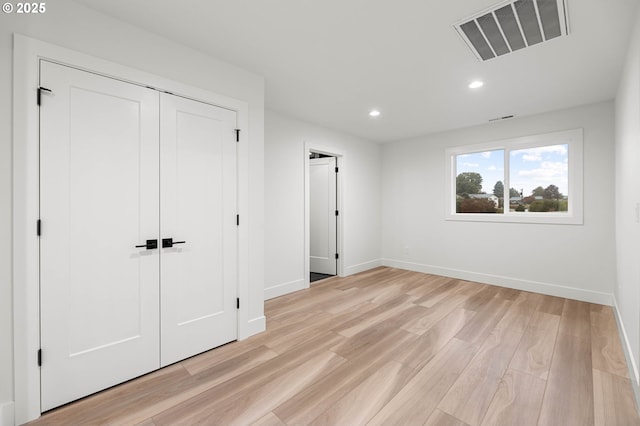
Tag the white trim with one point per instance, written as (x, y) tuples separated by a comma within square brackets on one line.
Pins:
[(254, 326), (340, 163), (628, 354), (361, 267), (550, 289), (574, 138), (6, 414), (27, 54), (284, 288)]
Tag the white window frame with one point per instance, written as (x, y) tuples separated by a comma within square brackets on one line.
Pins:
[(574, 215)]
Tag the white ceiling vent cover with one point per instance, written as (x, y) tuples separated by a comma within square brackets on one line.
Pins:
[(512, 26)]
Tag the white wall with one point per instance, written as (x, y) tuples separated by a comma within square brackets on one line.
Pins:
[(73, 26), (575, 261), (285, 139), (627, 179)]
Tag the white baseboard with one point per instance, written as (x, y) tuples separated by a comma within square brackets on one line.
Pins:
[(361, 267), (7, 417), (254, 326), (628, 354), (285, 288), (515, 283)]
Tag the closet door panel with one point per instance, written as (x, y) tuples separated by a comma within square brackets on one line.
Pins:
[(98, 199), (198, 212)]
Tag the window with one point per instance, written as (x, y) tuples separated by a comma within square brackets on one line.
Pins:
[(532, 179)]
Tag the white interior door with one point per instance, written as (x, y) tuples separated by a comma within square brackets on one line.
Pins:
[(98, 200), (122, 164), (198, 210), (322, 218)]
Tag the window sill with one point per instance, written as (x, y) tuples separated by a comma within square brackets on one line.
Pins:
[(538, 218)]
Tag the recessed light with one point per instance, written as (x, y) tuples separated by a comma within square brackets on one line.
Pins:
[(476, 84), (374, 113)]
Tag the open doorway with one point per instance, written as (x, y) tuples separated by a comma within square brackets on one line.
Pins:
[(323, 216), (323, 213)]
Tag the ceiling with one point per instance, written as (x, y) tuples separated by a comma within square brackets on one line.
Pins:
[(331, 61)]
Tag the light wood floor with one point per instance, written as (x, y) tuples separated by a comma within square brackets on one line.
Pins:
[(390, 347)]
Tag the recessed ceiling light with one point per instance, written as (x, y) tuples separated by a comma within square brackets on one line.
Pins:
[(374, 113), (476, 84)]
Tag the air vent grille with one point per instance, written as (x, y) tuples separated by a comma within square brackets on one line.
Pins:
[(512, 26)]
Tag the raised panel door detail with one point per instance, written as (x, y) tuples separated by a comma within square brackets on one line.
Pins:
[(198, 205), (99, 198)]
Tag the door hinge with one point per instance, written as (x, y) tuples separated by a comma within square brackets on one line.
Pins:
[(237, 135), (38, 227), (39, 357), (39, 93), (337, 170), (237, 303), (337, 256), (237, 220)]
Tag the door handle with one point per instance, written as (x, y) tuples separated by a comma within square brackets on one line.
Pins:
[(150, 245), (168, 242)]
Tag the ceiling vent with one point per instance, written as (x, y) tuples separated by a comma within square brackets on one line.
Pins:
[(512, 26)]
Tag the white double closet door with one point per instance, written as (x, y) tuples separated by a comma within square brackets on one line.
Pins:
[(121, 164)]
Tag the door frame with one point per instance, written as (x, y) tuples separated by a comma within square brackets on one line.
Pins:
[(340, 206), (26, 298)]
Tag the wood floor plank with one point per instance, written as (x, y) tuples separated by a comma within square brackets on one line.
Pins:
[(426, 346), (362, 341), (568, 398), (613, 400), (471, 394), (257, 401), (517, 401), (284, 342), (294, 316), (389, 293), (550, 305), (210, 359), (202, 388), (485, 320), (408, 352), (148, 394), (268, 419), (510, 293), (366, 279), (235, 366), (373, 317), (434, 290), (519, 314), (148, 422), (606, 348), (417, 400), (300, 300), (440, 418), (437, 312), (479, 300), (350, 298), (318, 397), (358, 406), (533, 355), (576, 319)]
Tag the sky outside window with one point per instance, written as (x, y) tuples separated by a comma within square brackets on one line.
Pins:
[(488, 164), (540, 167)]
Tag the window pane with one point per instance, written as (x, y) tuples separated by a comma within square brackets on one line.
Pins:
[(479, 182), (539, 179)]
